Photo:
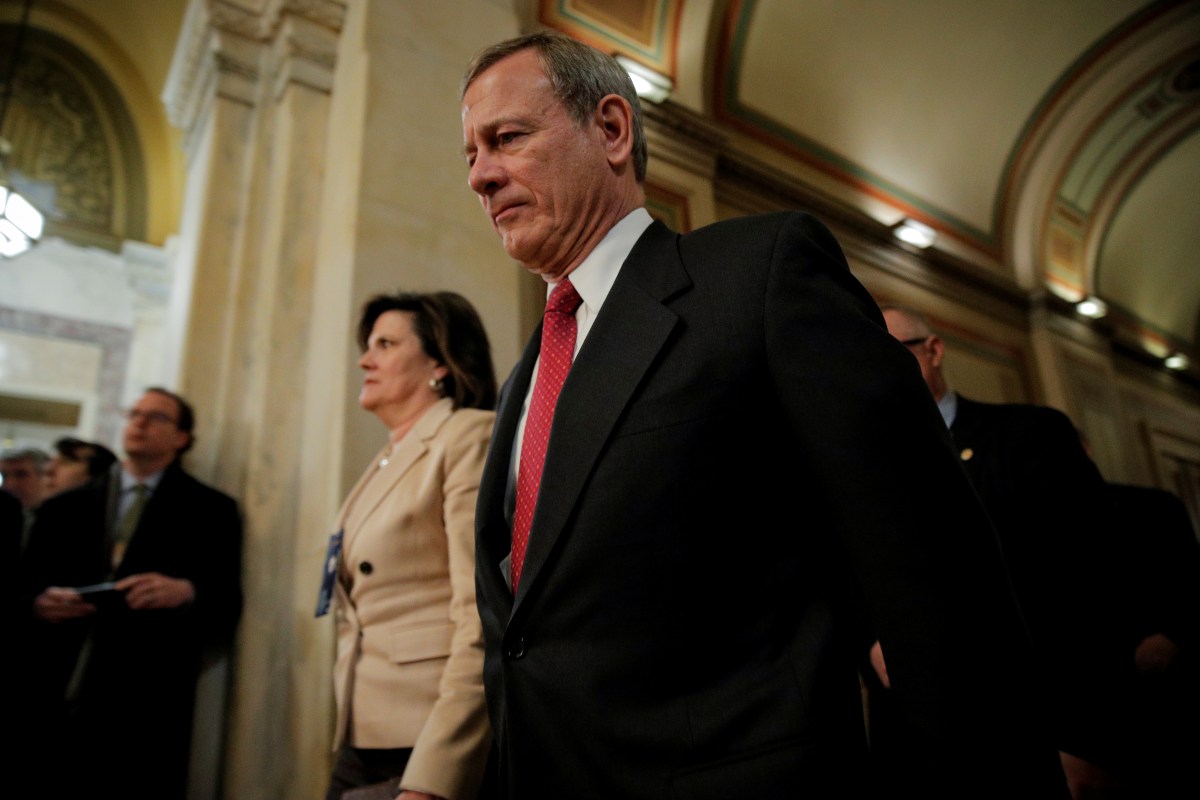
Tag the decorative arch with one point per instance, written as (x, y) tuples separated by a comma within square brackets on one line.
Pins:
[(1101, 127), (75, 149)]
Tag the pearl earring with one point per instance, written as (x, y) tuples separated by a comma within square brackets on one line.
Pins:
[(436, 384)]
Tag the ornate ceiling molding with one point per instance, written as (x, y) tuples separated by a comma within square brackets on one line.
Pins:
[(1114, 105)]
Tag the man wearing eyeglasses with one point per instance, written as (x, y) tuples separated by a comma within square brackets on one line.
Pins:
[(1052, 515), (132, 578)]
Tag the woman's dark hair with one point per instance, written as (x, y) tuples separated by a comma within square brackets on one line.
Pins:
[(451, 333), (97, 457)]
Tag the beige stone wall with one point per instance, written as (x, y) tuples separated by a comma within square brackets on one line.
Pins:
[(324, 165)]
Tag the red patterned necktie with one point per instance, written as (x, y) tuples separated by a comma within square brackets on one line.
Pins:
[(554, 360)]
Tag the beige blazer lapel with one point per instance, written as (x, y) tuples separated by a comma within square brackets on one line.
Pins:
[(378, 480)]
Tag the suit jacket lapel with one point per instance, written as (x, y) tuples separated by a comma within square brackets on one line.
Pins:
[(493, 527), (964, 432), (625, 339), (160, 506)]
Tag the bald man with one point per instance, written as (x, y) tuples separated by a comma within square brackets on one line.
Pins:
[(1053, 515)]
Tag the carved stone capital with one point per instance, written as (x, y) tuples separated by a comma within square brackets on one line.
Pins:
[(304, 52), (227, 47), (216, 54)]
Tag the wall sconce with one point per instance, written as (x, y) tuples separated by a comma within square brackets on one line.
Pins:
[(915, 233), (1092, 307), (1176, 361), (649, 85)]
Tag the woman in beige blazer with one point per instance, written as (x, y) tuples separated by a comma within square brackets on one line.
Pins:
[(408, 676)]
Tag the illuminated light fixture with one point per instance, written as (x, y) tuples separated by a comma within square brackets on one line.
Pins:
[(1092, 307), (651, 86), (1176, 361), (915, 233), (21, 224)]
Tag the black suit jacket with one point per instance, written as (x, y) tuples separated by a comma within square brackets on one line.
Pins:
[(1161, 561), (1055, 519), (12, 522), (1161, 557), (740, 449), (141, 669)]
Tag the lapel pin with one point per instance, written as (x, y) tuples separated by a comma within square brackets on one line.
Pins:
[(966, 454)]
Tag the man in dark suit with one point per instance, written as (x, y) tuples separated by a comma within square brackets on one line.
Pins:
[(1161, 557), (1054, 516), (21, 475), (12, 519), (115, 669), (12, 523), (734, 460)]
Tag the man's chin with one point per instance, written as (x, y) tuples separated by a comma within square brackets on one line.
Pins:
[(527, 259), (518, 247), (512, 247)]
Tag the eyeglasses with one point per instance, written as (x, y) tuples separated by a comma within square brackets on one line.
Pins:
[(134, 414), (918, 340)]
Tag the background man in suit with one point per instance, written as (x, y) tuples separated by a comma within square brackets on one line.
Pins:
[(12, 611), (1054, 517), (117, 669), (12, 521), (21, 476), (12, 518), (1161, 557), (737, 452)]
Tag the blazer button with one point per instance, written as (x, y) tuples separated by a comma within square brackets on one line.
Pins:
[(516, 648), (366, 568)]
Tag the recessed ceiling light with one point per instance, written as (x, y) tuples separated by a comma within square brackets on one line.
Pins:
[(915, 233), (651, 86), (1176, 361), (1092, 307)]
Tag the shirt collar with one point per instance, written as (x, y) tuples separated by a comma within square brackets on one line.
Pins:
[(151, 482), (948, 405), (594, 276)]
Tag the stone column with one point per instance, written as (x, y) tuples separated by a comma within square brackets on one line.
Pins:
[(251, 89), (325, 164)]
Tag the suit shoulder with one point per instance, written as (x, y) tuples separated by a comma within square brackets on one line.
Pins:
[(469, 423), (1018, 414), (191, 485), (467, 430), (74, 499), (1134, 496), (757, 243), (756, 225)]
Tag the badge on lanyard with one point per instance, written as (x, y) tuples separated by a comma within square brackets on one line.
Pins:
[(332, 555)]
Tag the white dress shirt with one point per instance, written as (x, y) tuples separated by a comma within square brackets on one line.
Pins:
[(593, 279)]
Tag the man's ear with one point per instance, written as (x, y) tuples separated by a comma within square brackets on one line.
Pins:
[(614, 120), (937, 351)]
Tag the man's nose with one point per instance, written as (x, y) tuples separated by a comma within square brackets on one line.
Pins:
[(485, 176)]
